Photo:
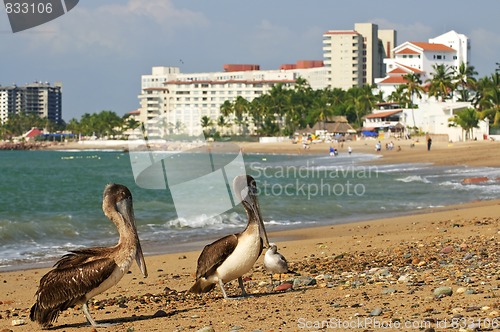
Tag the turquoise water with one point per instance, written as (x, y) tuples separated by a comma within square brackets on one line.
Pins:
[(51, 200)]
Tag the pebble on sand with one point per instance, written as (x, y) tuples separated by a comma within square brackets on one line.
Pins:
[(443, 291)]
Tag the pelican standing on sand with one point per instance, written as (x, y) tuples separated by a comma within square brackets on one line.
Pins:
[(84, 273), (234, 255), (274, 262)]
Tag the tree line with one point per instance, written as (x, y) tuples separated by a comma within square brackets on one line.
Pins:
[(105, 123), (285, 111)]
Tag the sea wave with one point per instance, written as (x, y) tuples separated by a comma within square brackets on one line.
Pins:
[(413, 178)]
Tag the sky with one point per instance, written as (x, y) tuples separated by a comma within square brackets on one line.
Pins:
[(100, 49)]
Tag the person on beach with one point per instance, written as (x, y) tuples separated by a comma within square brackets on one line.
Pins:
[(349, 149), (429, 143), (332, 151)]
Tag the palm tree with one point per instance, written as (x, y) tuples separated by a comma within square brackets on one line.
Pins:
[(179, 127), (206, 124), (321, 108), (360, 101), (413, 88), (227, 108), (490, 105), (222, 123), (241, 107), (441, 84), (468, 119), (399, 96), (464, 80)]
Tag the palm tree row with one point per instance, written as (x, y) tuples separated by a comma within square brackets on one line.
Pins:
[(284, 111), (446, 82), (104, 123)]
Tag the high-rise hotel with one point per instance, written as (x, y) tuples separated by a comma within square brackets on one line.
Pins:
[(351, 58), (41, 99)]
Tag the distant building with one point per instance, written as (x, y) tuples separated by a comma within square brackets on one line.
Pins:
[(355, 57), (431, 117), (173, 102), (41, 99), (449, 49)]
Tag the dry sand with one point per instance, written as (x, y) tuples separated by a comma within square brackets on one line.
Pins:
[(367, 276)]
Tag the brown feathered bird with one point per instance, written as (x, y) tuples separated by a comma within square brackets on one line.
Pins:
[(84, 273), (234, 255)]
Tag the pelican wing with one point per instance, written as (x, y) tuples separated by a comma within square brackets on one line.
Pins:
[(67, 284), (214, 254), (81, 256)]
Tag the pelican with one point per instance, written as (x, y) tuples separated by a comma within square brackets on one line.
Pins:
[(233, 255), (84, 273), (274, 262)]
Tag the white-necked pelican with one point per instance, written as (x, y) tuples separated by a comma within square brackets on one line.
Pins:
[(234, 255), (84, 273)]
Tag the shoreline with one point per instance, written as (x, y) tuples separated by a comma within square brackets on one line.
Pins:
[(283, 234), (470, 153), (391, 265), (387, 269)]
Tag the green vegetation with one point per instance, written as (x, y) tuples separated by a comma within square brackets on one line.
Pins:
[(102, 124), (467, 119), (286, 110)]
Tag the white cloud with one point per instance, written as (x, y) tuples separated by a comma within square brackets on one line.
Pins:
[(114, 28), (485, 47), (413, 32)]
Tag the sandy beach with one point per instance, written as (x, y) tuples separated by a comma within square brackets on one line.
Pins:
[(435, 269)]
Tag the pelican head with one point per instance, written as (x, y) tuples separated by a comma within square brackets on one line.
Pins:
[(245, 189), (118, 199)]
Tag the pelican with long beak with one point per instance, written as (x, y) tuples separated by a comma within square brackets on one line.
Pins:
[(234, 255), (84, 273)]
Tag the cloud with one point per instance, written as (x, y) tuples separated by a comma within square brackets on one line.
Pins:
[(413, 32), (485, 47), (278, 44), (120, 29)]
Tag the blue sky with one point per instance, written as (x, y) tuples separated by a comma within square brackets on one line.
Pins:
[(100, 49)]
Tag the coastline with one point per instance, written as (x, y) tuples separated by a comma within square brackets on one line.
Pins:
[(392, 264), (357, 268), (471, 153)]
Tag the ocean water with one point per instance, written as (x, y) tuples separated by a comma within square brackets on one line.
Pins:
[(51, 200)]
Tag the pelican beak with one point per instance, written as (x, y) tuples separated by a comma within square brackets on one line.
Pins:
[(139, 258), (254, 204), (124, 207)]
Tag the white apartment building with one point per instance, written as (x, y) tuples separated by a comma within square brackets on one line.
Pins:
[(430, 117), (355, 57), (449, 49), (175, 102), (4, 110)]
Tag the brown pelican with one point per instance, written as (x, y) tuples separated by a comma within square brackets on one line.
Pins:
[(274, 262), (84, 273), (234, 255)]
